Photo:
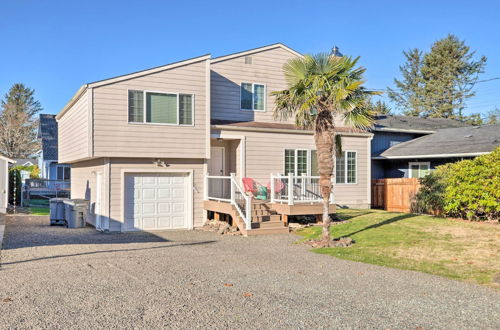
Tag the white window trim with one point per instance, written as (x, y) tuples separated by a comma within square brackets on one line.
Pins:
[(144, 108), (345, 168), (253, 93), (295, 155), (64, 167), (410, 164)]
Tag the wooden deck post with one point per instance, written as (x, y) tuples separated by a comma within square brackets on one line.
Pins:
[(284, 217)]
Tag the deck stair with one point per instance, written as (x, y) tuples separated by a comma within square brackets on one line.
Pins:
[(265, 220)]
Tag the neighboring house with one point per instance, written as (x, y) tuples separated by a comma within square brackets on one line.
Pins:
[(48, 163), (409, 147), (24, 162), (4, 182), (155, 149)]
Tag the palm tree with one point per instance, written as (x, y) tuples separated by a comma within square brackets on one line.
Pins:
[(321, 89)]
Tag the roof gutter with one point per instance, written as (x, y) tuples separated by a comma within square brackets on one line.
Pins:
[(280, 130), (402, 130), (470, 154)]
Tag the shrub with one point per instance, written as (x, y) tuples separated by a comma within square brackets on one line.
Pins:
[(468, 189)]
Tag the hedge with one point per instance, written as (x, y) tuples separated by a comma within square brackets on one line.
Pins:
[(468, 189)]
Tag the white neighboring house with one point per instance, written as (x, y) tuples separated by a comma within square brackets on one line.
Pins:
[(4, 182)]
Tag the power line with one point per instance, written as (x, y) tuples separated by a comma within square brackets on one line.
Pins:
[(477, 82)]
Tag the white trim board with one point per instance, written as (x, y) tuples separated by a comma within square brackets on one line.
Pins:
[(255, 50), (471, 154)]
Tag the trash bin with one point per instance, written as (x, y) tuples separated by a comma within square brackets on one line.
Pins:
[(57, 212), (76, 212)]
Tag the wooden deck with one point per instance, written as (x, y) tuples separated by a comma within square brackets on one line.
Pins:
[(267, 218)]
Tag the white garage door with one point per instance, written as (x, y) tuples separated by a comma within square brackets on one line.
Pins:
[(156, 201)]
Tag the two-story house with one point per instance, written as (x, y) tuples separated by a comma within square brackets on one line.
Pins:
[(157, 149)]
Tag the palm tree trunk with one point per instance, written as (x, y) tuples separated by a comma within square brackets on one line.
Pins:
[(325, 143)]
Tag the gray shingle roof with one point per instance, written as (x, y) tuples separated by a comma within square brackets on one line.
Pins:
[(48, 134), (384, 122), (448, 141), (22, 161)]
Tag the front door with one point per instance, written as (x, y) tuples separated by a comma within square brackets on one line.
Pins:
[(216, 168)]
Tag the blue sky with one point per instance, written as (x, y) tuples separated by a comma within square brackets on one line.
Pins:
[(56, 46)]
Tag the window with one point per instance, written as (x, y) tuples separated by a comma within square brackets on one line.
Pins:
[(160, 108), (419, 169), (135, 106), (392, 143), (346, 167), (253, 96), (63, 172), (296, 161)]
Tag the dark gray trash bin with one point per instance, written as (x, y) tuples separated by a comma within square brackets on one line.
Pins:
[(57, 211), (76, 212)]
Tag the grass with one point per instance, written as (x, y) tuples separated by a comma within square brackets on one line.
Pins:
[(459, 250), (39, 210)]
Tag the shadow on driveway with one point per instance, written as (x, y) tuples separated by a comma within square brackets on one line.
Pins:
[(22, 231)]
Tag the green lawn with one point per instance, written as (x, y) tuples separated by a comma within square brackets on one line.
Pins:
[(39, 210), (456, 249)]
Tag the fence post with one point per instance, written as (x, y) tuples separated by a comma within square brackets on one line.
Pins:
[(290, 188), (233, 193), (272, 188)]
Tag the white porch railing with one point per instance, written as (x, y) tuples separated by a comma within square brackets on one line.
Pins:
[(227, 189), (293, 189)]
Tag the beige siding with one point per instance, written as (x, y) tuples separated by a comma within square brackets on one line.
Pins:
[(121, 165), (115, 137), (265, 155), (74, 131), (226, 77), (83, 184)]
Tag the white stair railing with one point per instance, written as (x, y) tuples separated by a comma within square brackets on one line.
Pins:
[(241, 201), (227, 189)]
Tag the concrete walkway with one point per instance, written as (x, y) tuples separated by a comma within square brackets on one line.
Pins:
[(53, 277)]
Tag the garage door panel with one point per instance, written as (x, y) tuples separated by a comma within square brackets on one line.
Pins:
[(149, 223), (148, 194), (164, 208), (164, 193), (178, 222), (155, 201), (164, 180), (164, 222), (149, 181)]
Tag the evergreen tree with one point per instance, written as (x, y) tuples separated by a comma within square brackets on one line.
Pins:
[(18, 122), (409, 92), (379, 107), (438, 83)]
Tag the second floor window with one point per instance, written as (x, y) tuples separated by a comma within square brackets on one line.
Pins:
[(253, 96), (160, 108)]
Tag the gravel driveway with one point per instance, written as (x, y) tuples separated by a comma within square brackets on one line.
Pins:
[(52, 277)]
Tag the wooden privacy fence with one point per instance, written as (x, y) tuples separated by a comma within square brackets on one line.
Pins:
[(395, 195)]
